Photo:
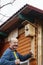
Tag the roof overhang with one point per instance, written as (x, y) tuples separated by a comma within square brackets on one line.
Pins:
[(21, 15)]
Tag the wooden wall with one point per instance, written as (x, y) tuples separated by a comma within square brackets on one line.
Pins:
[(4, 47), (1, 45), (24, 44)]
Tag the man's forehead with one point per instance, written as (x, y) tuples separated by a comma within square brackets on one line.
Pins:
[(15, 43), (14, 40)]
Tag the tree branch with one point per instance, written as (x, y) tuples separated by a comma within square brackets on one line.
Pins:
[(4, 15), (7, 4)]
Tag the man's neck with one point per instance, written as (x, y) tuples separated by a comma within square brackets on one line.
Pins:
[(13, 49)]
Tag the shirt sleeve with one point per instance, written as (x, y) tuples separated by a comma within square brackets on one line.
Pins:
[(25, 57), (5, 59), (6, 62)]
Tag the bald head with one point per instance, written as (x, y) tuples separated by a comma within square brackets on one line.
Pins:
[(13, 43), (13, 39)]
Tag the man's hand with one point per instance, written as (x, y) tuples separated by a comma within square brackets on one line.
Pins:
[(31, 54), (17, 61)]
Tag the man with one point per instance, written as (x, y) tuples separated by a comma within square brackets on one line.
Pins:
[(32, 61), (11, 56)]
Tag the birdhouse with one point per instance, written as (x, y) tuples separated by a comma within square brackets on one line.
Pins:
[(29, 30)]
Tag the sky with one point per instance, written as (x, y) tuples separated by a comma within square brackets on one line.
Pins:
[(36, 3), (9, 10)]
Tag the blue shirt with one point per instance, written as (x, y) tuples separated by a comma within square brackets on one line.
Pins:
[(8, 57)]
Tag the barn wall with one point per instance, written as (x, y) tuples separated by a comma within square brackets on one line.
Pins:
[(1, 45), (26, 43), (40, 44)]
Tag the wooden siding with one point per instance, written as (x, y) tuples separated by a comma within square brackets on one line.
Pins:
[(24, 44), (4, 47)]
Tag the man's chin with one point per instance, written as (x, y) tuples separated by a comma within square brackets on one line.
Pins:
[(14, 49)]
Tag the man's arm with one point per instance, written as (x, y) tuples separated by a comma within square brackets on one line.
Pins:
[(5, 59), (25, 57), (6, 62)]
